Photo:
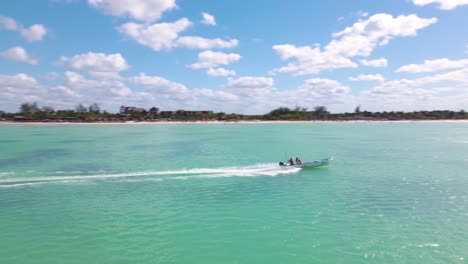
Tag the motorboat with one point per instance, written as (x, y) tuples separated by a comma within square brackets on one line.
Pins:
[(308, 164)]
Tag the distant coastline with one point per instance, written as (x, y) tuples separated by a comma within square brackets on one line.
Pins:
[(32, 113), (232, 122)]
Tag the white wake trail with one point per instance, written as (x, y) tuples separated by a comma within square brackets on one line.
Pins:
[(268, 169)]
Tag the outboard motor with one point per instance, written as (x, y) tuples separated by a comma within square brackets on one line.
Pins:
[(281, 163)]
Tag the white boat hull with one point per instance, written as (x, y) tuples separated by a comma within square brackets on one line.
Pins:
[(310, 164)]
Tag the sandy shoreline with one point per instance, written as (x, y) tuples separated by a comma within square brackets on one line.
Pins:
[(230, 122)]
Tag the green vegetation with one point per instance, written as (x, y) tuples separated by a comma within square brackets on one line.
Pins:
[(32, 112)]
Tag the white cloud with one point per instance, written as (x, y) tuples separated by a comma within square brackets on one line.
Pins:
[(364, 36), (443, 4), (358, 40), (434, 65), (211, 59), (250, 82), (208, 19), (34, 33), (361, 13), (309, 60), (220, 72), (101, 75), (217, 95), (440, 91), (165, 36), (143, 10), (156, 36), (93, 89), (252, 95), (8, 23), (96, 62), (251, 87), (160, 85), (369, 77), (110, 91), (18, 80), (382, 62), (171, 95), (193, 42), (17, 89), (318, 91), (381, 26), (18, 54)]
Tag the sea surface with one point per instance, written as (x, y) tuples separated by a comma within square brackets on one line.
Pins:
[(213, 193)]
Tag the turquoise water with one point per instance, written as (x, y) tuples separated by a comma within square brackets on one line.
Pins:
[(395, 193)]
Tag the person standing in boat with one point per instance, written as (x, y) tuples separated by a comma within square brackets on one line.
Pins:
[(298, 161), (291, 161)]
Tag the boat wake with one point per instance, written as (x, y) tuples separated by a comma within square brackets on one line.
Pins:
[(269, 169)]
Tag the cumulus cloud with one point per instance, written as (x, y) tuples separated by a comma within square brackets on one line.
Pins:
[(18, 54), (108, 90), (18, 88), (439, 91), (93, 89), (368, 77), (17, 80), (8, 23), (216, 72), (250, 82), (165, 36), (160, 85), (382, 62), (221, 96), (34, 33), (193, 42), (242, 95), (109, 75), (251, 87), (211, 59), (360, 39), (143, 10), (317, 91), (173, 95), (208, 19), (434, 65), (309, 60), (96, 62), (156, 36), (443, 4)]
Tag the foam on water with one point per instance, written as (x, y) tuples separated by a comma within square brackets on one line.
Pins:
[(268, 169), (3, 174)]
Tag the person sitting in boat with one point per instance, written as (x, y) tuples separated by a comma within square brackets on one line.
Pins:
[(291, 161), (298, 160)]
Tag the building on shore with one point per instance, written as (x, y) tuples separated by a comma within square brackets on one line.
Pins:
[(131, 110)]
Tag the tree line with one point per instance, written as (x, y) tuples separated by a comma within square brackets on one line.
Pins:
[(29, 112)]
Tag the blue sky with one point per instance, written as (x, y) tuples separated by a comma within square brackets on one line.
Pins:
[(235, 56)]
